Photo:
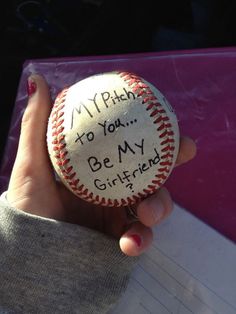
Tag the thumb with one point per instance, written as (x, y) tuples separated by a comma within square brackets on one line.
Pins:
[(32, 169)]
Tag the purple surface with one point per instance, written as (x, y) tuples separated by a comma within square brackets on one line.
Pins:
[(200, 85)]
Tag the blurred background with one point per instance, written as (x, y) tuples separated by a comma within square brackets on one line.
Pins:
[(56, 28)]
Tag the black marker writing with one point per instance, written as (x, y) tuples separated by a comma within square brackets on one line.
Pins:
[(126, 177), (77, 111), (114, 97), (89, 136), (123, 149), (130, 186), (111, 127), (99, 101), (95, 103), (107, 128), (96, 165)]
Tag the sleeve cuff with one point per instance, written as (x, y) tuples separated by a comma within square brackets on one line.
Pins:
[(58, 267)]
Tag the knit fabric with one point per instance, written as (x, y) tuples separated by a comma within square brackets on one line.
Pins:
[(48, 266)]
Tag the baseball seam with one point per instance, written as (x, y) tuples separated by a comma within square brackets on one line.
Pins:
[(164, 129)]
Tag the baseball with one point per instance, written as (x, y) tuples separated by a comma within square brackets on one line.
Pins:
[(112, 138)]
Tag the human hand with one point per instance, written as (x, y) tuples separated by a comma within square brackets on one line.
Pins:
[(33, 188)]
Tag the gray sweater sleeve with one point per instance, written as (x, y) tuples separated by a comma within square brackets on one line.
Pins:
[(47, 266)]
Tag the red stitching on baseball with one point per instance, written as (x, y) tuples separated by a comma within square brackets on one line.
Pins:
[(166, 163), (68, 170), (164, 126), (156, 182), (116, 203), (150, 106), (168, 155), (59, 123), (75, 183), (160, 176), (163, 169), (164, 129), (165, 133), (58, 142), (168, 140), (168, 147), (80, 188), (142, 92), (141, 195), (150, 98), (85, 192)]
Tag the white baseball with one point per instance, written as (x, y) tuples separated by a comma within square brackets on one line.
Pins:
[(113, 138)]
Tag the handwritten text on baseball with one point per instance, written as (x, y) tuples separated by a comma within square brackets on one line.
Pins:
[(124, 149)]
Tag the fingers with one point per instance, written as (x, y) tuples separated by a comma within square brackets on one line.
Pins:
[(32, 157), (34, 121), (150, 212), (155, 208), (136, 240), (187, 150), (31, 173)]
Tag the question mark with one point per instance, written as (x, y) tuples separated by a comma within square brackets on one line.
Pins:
[(130, 186)]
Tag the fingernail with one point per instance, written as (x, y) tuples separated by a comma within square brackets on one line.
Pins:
[(31, 87), (137, 239)]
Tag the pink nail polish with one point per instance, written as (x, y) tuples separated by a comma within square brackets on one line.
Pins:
[(31, 87), (137, 239)]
